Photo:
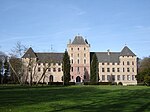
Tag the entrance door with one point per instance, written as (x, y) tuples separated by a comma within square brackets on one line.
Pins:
[(78, 79), (50, 78)]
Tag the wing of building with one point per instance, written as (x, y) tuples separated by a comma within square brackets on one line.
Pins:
[(113, 66)]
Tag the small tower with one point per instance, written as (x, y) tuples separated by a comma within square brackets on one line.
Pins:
[(79, 51)]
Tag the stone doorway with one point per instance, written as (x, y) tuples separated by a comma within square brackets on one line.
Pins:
[(78, 79)]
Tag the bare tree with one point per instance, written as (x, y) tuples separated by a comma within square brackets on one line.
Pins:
[(15, 62), (18, 50)]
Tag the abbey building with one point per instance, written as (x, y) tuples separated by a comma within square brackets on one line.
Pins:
[(116, 66)]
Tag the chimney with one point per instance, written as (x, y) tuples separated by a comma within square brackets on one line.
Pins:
[(108, 51), (69, 41)]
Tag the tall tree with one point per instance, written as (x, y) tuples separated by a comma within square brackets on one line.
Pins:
[(144, 71), (94, 77), (66, 68)]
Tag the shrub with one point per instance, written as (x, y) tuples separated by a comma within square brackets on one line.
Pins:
[(60, 83), (105, 83), (114, 83)]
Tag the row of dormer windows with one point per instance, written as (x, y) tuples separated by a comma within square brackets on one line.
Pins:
[(123, 63), (50, 64), (49, 69), (78, 49), (117, 70)]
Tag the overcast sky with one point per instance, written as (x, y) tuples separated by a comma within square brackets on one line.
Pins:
[(46, 24)]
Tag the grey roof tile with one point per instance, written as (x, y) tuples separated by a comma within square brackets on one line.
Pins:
[(50, 57), (103, 57), (29, 54), (78, 40), (126, 52)]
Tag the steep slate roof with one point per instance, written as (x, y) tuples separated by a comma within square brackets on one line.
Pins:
[(79, 40), (126, 52), (29, 54), (50, 57), (103, 57)]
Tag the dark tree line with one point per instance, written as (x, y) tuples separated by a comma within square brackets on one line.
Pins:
[(4, 70), (143, 75)]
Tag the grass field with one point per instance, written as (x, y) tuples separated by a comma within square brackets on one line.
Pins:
[(75, 99)]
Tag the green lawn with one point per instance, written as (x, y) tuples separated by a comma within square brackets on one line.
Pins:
[(75, 99)]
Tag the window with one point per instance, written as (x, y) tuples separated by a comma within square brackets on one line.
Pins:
[(59, 69), (123, 77), (72, 49), (54, 69), (39, 64), (78, 69), (113, 77), (128, 63), (84, 48), (113, 63), (59, 64), (128, 69), (78, 55), (78, 61), (84, 61), (72, 61), (118, 77), (72, 77), (123, 70), (132, 69), (84, 69), (108, 69), (103, 69), (49, 69), (133, 77), (43, 64), (128, 77), (107, 63), (29, 69), (113, 69), (132, 63), (118, 70), (39, 69), (78, 49), (72, 69), (102, 63), (71, 55), (84, 76), (103, 77), (84, 55), (108, 78), (123, 62)]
